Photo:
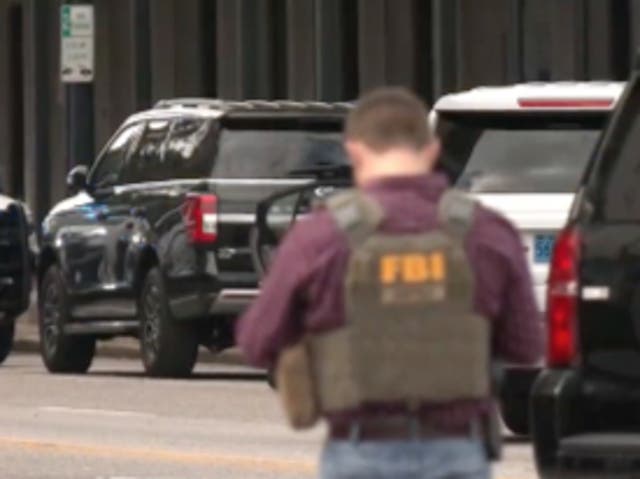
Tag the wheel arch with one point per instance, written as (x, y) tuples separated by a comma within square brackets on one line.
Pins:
[(47, 258), (147, 259)]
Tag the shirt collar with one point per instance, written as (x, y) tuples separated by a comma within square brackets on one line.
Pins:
[(431, 185)]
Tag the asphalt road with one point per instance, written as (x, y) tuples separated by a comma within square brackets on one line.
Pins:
[(115, 423)]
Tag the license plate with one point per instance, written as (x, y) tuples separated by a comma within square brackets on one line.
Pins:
[(542, 248)]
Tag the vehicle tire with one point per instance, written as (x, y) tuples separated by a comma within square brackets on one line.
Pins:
[(7, 332), (515, 397), (515, 414), (60, 353), (169, 348)]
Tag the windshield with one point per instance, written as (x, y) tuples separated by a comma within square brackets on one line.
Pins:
[(279, 153), (517, 154)]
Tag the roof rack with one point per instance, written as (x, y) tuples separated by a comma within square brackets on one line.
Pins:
[(189, 103), (230, 105)]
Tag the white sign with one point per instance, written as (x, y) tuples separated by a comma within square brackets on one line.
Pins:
[(76, 43)]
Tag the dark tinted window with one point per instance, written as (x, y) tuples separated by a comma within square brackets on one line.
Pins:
[(191, 148), (619, 171), (109, 167), (147, 163), (517, 154), (278, 153)]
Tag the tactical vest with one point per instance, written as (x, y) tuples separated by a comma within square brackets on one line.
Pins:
[(411, 334)]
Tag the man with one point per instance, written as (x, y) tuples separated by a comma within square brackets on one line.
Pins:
[(421, 266)]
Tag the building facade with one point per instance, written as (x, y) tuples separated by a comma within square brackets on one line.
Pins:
[(300, 49)]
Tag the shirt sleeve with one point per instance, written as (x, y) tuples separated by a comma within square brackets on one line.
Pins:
[(505, 294), (273, 320)]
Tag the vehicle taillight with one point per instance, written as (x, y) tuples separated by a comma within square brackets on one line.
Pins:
[(588, 103), (201, 218), (562, 300)]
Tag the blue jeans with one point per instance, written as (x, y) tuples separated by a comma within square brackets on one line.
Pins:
[(410, 459)]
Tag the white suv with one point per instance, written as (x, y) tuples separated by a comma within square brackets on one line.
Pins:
[(522, 151)]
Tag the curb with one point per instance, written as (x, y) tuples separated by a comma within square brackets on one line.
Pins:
[(106, 350), (27, 340)]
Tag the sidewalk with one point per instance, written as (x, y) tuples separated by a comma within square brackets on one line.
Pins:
[(27, 340)]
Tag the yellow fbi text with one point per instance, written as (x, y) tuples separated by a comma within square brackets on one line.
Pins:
[(413, 268)]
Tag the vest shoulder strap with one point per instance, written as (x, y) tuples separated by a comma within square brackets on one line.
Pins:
[(456, 212), (356, 214)]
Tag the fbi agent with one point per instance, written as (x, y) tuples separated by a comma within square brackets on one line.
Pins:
[(386, 309)]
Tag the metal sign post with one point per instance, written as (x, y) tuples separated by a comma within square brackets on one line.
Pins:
[(77, 59)]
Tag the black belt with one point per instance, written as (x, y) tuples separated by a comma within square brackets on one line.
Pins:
[(386, 428)]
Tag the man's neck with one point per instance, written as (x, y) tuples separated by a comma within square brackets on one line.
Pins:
[(393, 171)]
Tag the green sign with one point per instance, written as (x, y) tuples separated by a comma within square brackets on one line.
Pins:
[(76, 43), (65, 21)]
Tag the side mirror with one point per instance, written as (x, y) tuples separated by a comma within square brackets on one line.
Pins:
[(77, 179)]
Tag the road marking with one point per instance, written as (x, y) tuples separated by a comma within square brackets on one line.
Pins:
[(234, 461), (94, 412)]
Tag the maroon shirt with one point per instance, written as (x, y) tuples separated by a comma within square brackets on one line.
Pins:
[(303, 291)]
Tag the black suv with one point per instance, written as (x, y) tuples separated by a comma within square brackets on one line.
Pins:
[(16, 258), (586, 403), (155, 242)]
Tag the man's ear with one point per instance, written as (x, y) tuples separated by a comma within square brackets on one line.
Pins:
[(354, 151)]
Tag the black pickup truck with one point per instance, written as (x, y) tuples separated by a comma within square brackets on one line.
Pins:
[(155, 241)]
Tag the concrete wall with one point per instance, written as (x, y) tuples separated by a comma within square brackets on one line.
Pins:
[(303, 49)]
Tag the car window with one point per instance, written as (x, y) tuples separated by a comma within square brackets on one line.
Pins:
[(278, 153), (507, 154), (147, 162), (618, 173), (191, 148), (107, 171)]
